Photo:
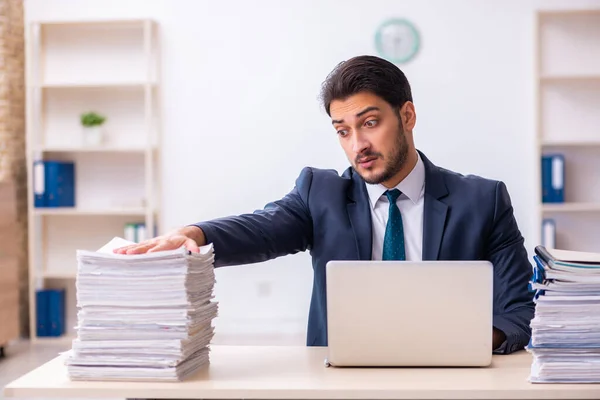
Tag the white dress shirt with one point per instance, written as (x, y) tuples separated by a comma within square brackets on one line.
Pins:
[(410, 203)]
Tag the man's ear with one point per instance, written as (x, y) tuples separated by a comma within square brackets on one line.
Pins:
[(408, 115)]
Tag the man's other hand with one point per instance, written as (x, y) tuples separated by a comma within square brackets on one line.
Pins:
[(191, 237), (498, 337)]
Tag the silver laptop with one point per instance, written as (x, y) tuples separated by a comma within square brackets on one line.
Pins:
[(409, 314)]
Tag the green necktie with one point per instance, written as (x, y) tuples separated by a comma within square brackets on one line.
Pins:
[(393, 242)]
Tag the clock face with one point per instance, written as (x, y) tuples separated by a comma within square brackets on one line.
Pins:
[(397, 40)]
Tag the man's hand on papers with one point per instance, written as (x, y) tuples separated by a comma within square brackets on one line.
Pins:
[(191, 237)]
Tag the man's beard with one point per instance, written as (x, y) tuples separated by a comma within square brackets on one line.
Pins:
[(393, 165)]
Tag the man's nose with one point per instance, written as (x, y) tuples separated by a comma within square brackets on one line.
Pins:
[(359, 144)]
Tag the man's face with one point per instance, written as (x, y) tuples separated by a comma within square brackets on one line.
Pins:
[(370, 132)]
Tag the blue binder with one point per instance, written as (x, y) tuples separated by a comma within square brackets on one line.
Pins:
[(56, 310), (538, 276), (54, 184), (50, 307), (42, 314), (553, 178)]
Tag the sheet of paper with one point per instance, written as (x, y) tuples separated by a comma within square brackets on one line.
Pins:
[(575, 256)]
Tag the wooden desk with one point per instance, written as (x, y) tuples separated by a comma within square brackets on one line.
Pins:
[(257, 372)]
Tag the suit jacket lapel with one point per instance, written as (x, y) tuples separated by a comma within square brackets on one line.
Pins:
[(434, 219), (359, 212), (434, 212)]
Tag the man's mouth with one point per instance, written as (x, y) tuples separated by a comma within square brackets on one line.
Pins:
[(367, 162)]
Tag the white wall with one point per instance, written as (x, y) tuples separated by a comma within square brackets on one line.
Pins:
[(241, 116)]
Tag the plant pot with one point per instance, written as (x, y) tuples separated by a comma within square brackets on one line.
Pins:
[(93, 135)]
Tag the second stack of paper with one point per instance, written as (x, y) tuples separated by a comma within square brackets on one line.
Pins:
[(565, 340)]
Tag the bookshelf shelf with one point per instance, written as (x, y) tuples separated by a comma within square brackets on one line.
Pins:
[(568, 126), (110, 67), (68, 211), (569, 11), (570, 78), (59, 275), (104, 23), (100, 85), (570, 207), (571, 143), (93, 149)]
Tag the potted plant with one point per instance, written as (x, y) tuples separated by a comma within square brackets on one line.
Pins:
[(92, 122)]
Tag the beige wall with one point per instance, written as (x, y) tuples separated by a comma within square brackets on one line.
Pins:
[(13, 176)]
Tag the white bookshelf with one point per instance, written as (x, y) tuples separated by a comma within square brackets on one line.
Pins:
[(568, 121), (110, 67)]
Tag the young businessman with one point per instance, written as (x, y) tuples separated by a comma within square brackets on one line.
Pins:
[(391, 204)]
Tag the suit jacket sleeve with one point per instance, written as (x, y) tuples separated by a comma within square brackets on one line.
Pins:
[(283, 227), (513, 302)]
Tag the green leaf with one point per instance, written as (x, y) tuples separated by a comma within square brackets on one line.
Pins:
[(92, 119)]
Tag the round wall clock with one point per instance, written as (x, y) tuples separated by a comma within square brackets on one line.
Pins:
[(397, 40)]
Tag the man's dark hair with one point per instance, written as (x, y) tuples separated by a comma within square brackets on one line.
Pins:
[(366, 74)]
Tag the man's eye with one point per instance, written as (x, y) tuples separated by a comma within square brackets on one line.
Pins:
[(342, 132), (371, 123)]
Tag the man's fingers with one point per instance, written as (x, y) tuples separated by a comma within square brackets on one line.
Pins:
[(133, 248), (166, 245), (159, 244), (192, 246), (189, 244), (140, 248), (123, 250), (162, 245)]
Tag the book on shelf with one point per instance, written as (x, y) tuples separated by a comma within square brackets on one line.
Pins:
[(50, 312), (53, 183), (135, 232), (553, 178)]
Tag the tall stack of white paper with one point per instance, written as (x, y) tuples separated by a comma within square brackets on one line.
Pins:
[(143, 317), (565, 340)]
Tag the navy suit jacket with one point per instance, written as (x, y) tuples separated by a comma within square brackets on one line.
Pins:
[(464, 218)]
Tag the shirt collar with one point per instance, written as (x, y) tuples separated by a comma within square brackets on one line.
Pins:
[(412, 186)]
